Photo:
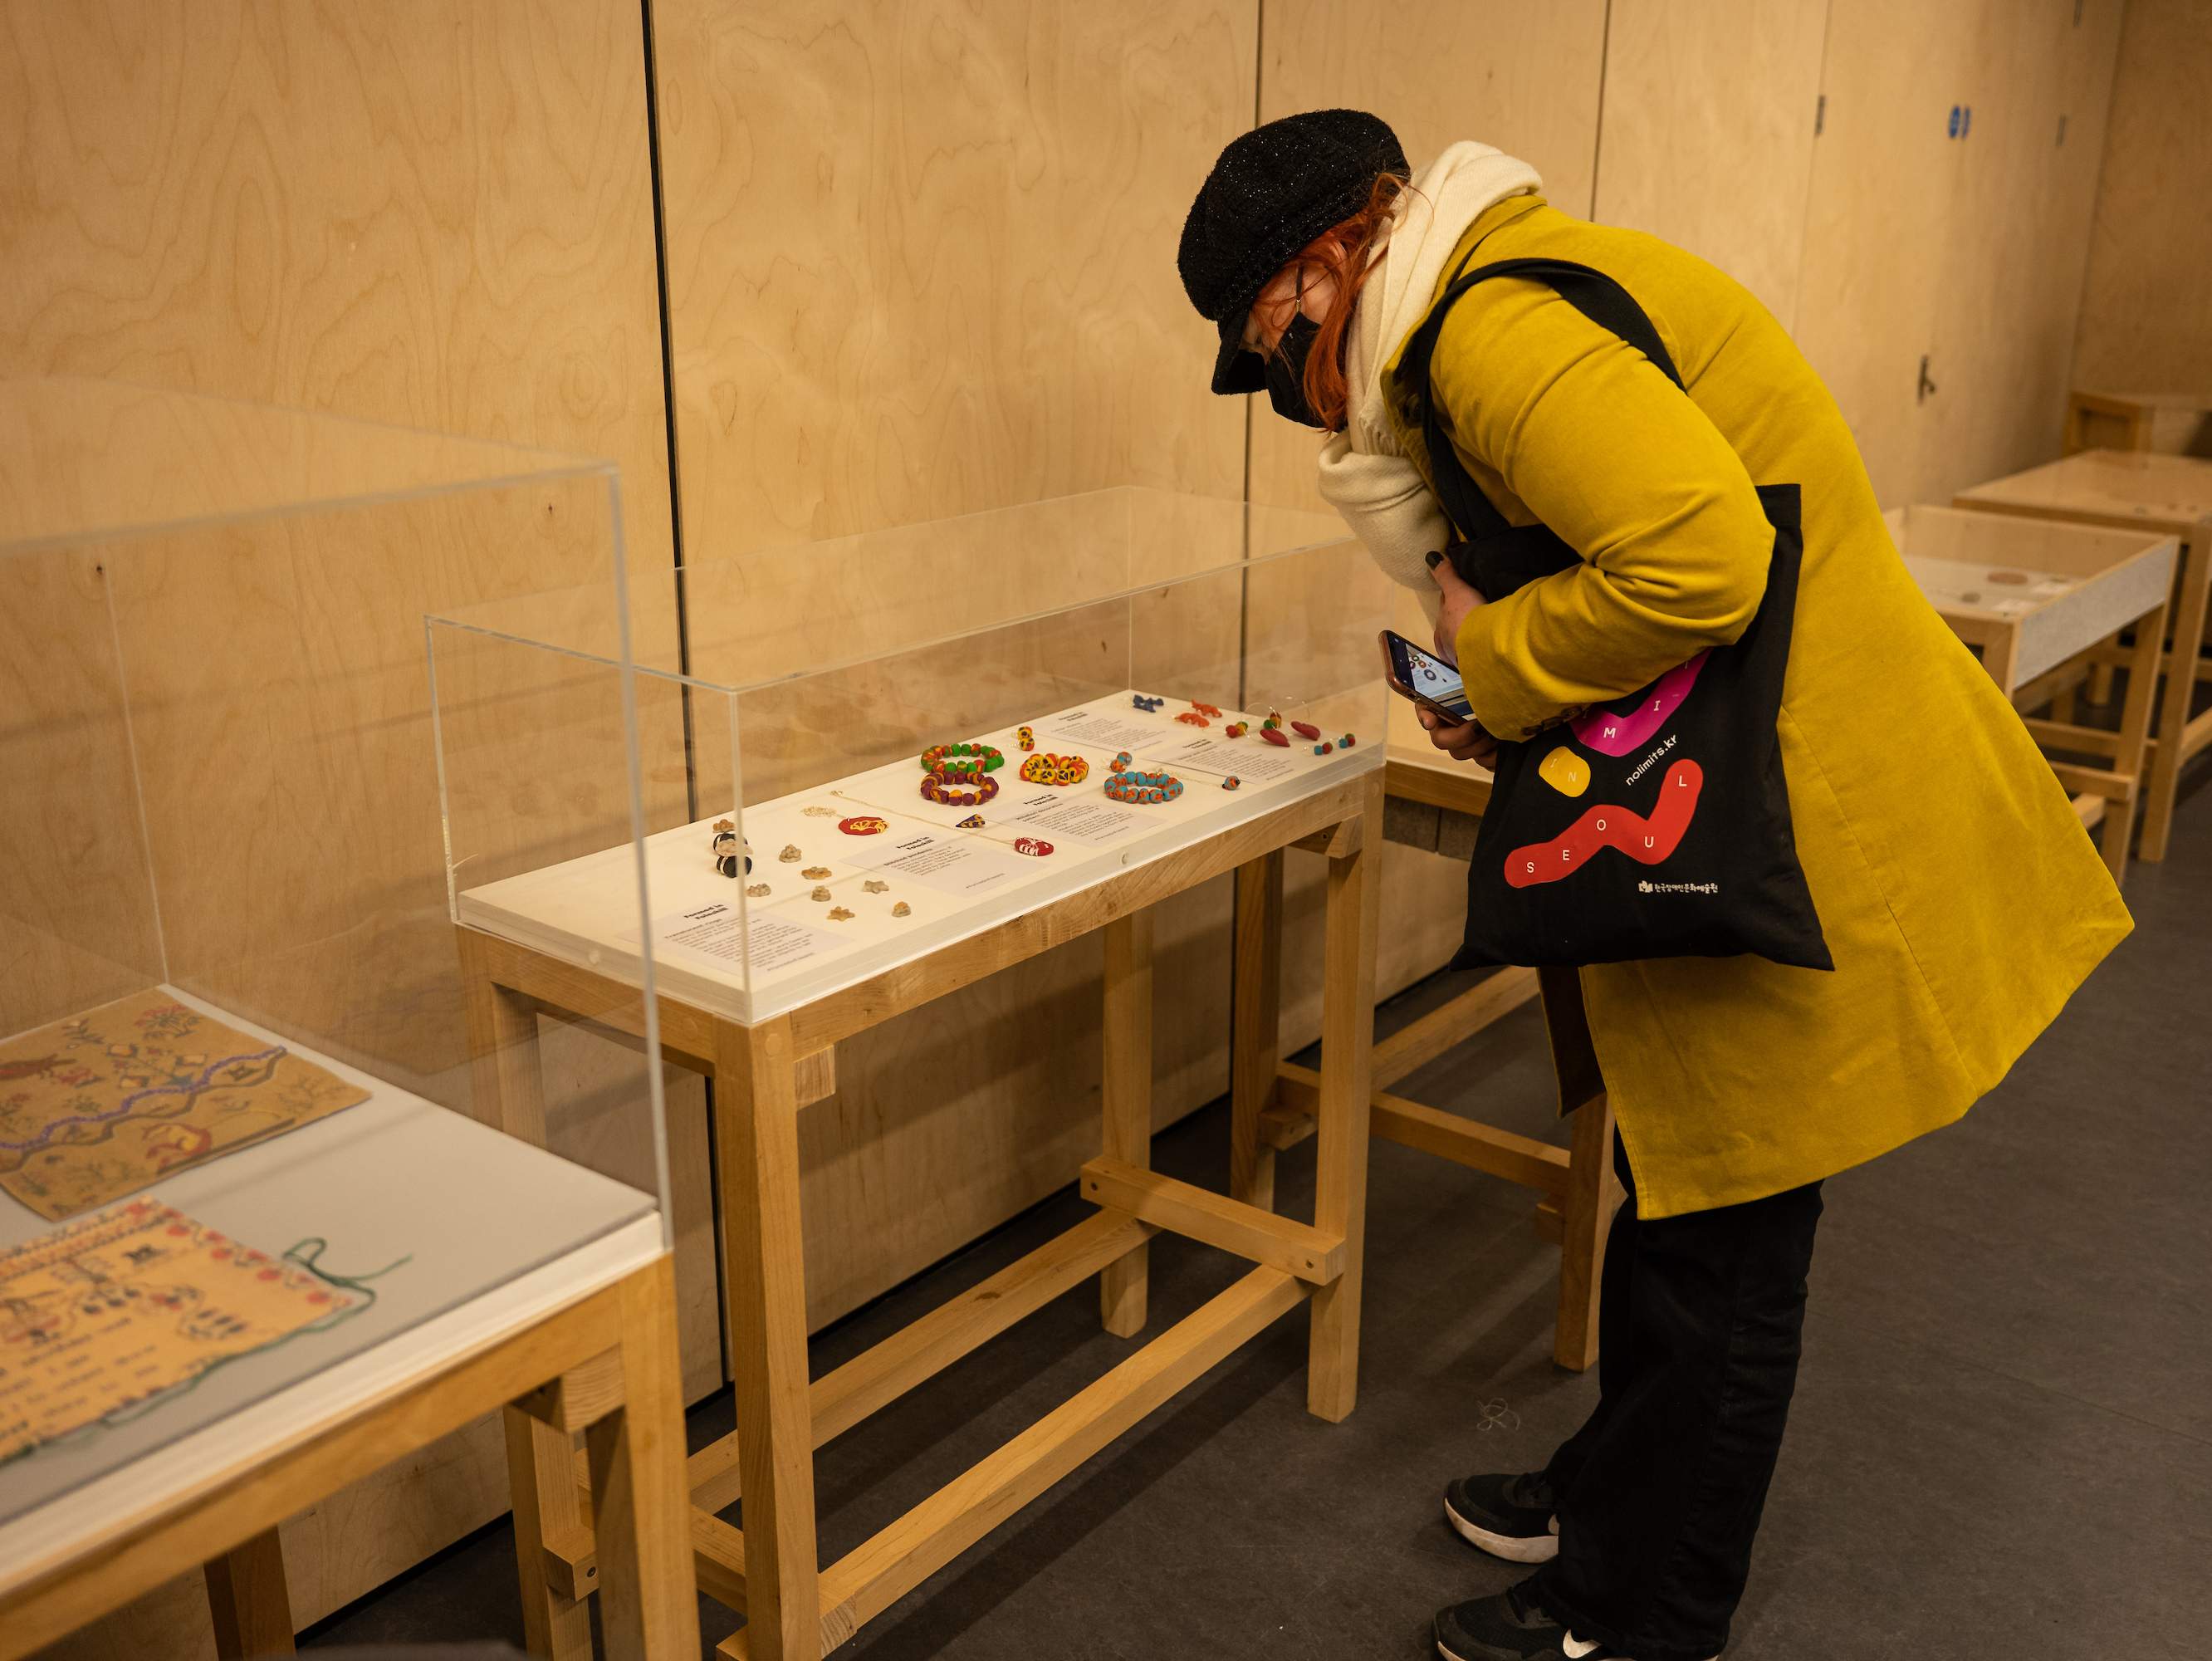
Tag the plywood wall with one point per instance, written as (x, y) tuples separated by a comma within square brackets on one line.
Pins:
[(1967, 251), (2147, 316)]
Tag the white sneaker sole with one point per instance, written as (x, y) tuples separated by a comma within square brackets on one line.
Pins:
[(1535, 1548)]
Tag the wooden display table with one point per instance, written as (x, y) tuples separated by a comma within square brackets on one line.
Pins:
[(2036, 596), (1435, 804), (2163, 495), (764, 1073), (604, 1364)]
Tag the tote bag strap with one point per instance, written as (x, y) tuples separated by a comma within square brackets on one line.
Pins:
[(1592, 293)]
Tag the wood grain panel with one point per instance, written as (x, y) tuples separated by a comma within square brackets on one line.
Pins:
[(2147, 313), (1968, 251), (921, 257), (1707, 136)]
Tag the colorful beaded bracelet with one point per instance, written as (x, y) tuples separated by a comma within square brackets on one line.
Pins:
[(1049, 769), (981, 758), (943, 788), (1146, 787)]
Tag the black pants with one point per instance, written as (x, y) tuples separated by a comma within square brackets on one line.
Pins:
[(1700, 1322)]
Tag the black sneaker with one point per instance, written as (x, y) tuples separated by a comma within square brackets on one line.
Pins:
[(1514, 1627), (1511, 1627), (1515, 1518)]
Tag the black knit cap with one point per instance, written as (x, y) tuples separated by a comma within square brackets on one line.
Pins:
[(1273, 190)]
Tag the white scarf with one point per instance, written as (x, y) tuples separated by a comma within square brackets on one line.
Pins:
[(1365, 474)]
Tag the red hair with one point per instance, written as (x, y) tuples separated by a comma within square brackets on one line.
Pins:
[(1343, 250)]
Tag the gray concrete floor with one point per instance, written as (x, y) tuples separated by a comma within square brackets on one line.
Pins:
[(2001, 1447)]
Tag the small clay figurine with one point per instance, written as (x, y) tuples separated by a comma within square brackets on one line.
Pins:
[(815, 872), (1345, 742), (819, 894), (730, 853), (1230, 782), (1031, 845), (1305, 729), (757, 890), (902, 909), (1026, 739), (973, 822), (838, 914), (874, 886), (1275, 735), (791, 856), (820, 813)]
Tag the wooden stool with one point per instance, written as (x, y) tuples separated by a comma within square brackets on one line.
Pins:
[(2038, 597), (2170, 424), (763, 1072), (1435, 805), (2160, 495)]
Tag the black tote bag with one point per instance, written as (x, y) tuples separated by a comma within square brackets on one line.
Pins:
[(1657, 825)]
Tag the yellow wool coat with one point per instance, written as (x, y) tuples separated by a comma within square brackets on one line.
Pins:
[(1961, 900)]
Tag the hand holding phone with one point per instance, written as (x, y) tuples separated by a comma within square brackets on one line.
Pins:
[(1425, 679)]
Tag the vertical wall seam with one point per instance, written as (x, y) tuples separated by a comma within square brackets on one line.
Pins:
[(1597, 138), (1812, 169)]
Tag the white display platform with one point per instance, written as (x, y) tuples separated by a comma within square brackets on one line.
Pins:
[(956, 882), (493, 1234)]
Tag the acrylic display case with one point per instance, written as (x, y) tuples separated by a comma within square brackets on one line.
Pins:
[(228, 984), (792, 695)]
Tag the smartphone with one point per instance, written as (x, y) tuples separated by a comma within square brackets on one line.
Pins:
[(1425, 679)]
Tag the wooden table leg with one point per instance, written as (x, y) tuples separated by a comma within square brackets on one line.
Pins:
[(541, 1481), (246, 1596), (1255, 1027), (505, 1085), (1594, 1194), (1127, 1101), (2128, 755), (2180, 688), (1355, 906), (648, 1606), (757, 1122)]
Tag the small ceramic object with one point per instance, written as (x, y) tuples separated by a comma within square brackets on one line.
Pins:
[(838, 914), (1323, 748), (875, 885), (791, 856), (902, 909), (864, 825), (1031, 845), (820, 813), (815, 872), (1205, 708), (1270, 724), (1119, 763), (1238, 729), (1147, 788), (1191, 718), (758, 891), (1146, 704), (1345, 742), (1026, 739), (1305, 729), (1230, 782), (973, 822), (1275, 735), (819, 894)]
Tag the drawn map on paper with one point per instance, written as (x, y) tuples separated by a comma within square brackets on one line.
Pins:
[(102, 1104), (112, 1309)]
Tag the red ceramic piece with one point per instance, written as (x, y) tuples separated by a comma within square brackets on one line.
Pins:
[(1031, 845), (1305, 729), (1275, 735)]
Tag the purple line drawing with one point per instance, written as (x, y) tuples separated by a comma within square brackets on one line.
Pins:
[(203, 1082)]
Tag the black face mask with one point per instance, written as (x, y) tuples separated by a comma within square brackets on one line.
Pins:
[(1287, 372)]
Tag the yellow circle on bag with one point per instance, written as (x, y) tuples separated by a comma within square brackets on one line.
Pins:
[(1564, 771)]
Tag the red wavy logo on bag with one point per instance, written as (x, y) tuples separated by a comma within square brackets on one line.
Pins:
[(1616, 735), (1645, 840)]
